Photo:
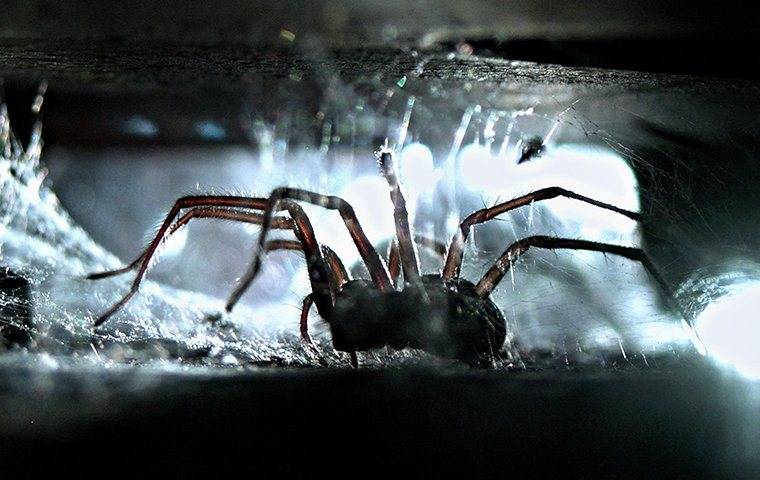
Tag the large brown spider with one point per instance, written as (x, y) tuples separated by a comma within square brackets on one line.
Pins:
[(444, 314)]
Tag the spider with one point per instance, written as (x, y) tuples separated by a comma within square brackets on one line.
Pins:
[(442, 314)]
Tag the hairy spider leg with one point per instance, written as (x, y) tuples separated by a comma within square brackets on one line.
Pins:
[(213, 207), (339, 273), (366, 250), (308, 301), (306, 244), (283, 244), (431, 244), (324, 287), (494, 275), (456, 248), (270, 246), (301, 227), (394, 257), (409, 264), (179, 205), (200, 212), (394, 263)]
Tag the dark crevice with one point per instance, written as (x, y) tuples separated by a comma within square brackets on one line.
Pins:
[(702, 56)]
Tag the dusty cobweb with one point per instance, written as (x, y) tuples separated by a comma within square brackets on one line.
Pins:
[(566, 308)]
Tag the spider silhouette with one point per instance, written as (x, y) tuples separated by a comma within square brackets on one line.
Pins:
[(442, 314)]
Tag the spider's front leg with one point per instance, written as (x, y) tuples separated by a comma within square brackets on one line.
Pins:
[(456, 248)]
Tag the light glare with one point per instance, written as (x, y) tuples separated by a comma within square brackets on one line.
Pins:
[(416, 169), (589, 170), (175, 243), (730, 330)]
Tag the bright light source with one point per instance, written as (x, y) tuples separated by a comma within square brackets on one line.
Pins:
[(482, 171), (369, 197), (416, 169), (175, 243), (730, 330), (589, 170)]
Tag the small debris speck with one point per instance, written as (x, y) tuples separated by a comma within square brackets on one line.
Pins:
[(287, 35)]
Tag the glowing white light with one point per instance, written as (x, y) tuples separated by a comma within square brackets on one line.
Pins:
[(482, 171), (174, 243), (597, 173), (589, 170), (371, 201), (369, 197), (730, 330), (417, 172)]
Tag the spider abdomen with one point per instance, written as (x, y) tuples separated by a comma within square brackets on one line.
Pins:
[(446, 320)]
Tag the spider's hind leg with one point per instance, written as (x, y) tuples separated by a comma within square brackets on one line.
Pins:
[(224, 202), (197, 212)]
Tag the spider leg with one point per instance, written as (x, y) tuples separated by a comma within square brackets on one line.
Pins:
[(431, 244), (409, 264), (323, 285), (363, 245), (179, 205), (456, 249), (494, 275), (199, 212), (273, 245), (308, 301), (282, 244), (339, 273), (279, 244), (208, 206), (394, 262)]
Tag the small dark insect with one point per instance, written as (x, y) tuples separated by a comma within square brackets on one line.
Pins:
[(533, 148), (444, 314)]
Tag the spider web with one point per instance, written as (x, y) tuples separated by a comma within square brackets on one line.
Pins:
[(50, 308), (566, 308)]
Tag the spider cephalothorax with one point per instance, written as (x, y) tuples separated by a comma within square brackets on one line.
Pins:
[(444, 314)]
